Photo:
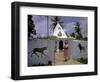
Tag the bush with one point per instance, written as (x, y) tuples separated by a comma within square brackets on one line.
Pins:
[(82, 60)]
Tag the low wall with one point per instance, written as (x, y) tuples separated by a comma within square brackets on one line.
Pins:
[(50, 44), (75, 51)]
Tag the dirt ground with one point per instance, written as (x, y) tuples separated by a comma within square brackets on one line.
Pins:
[(59, 60)]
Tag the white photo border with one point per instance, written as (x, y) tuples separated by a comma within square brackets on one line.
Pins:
[(25, 70)]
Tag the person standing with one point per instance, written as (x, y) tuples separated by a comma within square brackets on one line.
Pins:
[(66, 51)]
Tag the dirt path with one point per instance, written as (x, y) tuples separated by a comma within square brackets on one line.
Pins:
[(59, 60)]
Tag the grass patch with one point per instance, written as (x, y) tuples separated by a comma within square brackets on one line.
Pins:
[(82, 60)]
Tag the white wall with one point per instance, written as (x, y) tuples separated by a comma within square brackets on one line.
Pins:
[(5, 41), (75, 51)]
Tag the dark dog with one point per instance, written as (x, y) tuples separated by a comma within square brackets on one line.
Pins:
[(81, 47), (40, 50)]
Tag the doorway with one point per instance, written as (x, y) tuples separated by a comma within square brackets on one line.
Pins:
[(60, 45)]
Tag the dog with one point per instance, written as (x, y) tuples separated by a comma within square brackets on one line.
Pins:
[(81, 47), (39, 50)]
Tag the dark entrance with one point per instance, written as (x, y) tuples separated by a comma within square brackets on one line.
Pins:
[(60, 45)]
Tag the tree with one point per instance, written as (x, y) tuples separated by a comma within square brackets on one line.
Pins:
[(78, 31), (55, 20), (31, 26), (72, 34), (85, 38)]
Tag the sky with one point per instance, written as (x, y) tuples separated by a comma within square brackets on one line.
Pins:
[(42, 25)]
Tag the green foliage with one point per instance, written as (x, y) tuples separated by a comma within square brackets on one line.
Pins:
[(78, 37), (45, 37), (85, 38), (72, 34), (82, 60), (78, 31), (55, 20), (31, 26), (77, 34)]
